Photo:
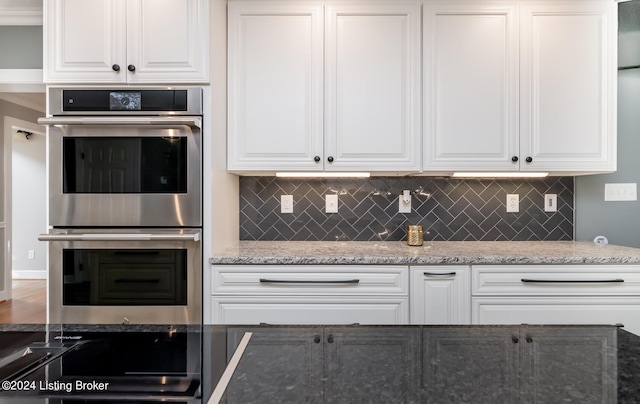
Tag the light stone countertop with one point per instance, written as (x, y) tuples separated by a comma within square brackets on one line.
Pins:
[(437, 252)]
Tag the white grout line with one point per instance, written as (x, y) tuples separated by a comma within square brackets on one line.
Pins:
[(221, 387)]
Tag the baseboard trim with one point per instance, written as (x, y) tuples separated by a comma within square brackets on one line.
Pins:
[(29, 274)]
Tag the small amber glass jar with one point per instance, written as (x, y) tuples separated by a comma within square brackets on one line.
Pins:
[(415, 235)]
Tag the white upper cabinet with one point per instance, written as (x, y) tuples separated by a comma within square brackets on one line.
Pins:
[(324, 87), (470, 72), (525, 86), (275, 61), (372, 87), (568, 85), (132, 41)]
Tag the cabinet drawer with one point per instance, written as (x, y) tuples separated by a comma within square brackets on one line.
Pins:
[(309, 310), (558, 310), (310, 280), (560, 280)]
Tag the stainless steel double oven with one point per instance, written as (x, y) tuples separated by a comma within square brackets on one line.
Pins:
[(125, 205)]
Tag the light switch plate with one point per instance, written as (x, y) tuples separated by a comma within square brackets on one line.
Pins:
[(550, 202), (621, 192), (331, 203)]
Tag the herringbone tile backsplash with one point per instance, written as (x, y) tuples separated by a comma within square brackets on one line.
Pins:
[(449, 209)]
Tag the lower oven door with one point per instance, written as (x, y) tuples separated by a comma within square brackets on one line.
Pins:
[(117, 276)]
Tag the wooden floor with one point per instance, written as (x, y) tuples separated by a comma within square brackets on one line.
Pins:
[(28, 304)]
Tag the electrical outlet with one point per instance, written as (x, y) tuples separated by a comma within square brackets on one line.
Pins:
[(331, 203), (286, 203), (32, 254), (513, 203), (550, 202), (404, 202)]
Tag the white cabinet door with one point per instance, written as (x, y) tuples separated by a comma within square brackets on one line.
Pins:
[(167, 41), (309, 310), (275, 86), (372, 89), (85, 41), (470, 81), (568, 86), (558, 310), (133, 41), (440, 295)]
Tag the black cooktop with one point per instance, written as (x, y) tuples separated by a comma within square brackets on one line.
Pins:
[(103, 364)]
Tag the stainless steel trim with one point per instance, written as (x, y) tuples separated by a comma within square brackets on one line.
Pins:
[(194, 101), (119, 237), (190, 121)]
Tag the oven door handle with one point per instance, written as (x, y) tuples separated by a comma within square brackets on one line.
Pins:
[(191, 121), (120, 237)]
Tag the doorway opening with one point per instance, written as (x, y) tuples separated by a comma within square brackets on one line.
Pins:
[(22, 203)]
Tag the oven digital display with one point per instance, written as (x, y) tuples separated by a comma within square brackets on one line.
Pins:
[(125, 101)]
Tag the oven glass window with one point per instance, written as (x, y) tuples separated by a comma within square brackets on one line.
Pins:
[(131, 277), (121, 165)]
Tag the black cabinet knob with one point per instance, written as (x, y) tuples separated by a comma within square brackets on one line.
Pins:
[(514, 159), (528, 159), (330, 159), (131, 68), (330, 339), (316, 158), (116, 68), (529, 339), (316, 339), (515, 339)]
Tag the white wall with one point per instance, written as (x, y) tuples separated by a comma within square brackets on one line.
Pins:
[(221, 189), (618, 221), (28, 164)]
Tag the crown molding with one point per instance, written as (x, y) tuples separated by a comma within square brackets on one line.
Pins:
[(17, 15)]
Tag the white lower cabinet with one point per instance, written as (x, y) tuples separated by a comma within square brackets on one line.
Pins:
[(557, 294), (425, 294), (440, 294), (310, 294)]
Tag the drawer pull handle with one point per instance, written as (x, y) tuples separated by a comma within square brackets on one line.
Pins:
[(125, 280), (437, 274), (572, 280), (347, 281), (125, 252)]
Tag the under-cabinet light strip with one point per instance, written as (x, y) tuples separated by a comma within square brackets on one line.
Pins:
[(323, 175), (499, 175)]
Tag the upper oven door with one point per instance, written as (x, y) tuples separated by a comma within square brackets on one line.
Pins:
[(125, 171)]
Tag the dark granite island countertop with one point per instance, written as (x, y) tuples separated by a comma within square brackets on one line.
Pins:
[(352, 363), (437, 252), (434, 364)]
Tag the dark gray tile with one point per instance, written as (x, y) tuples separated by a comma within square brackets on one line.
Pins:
[(451, 209)]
